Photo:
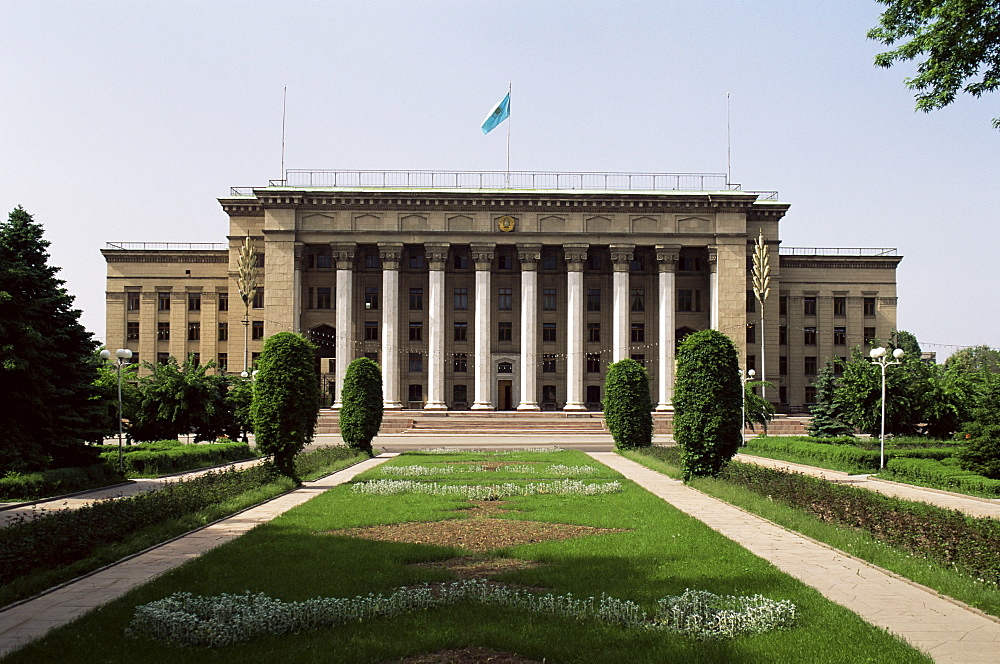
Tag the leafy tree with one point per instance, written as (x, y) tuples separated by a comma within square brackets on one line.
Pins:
[(825, 422), (47, 360), (757, 409), (977, 358), (627, 405), (285, 399), (361, 404), (982, 451), (238, 401), (858, 401), (707, 403), (106, 385), (174, 400), (960, 40)]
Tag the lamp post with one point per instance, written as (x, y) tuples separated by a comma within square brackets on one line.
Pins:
[(750, 373), (880, 357), (123, 355)]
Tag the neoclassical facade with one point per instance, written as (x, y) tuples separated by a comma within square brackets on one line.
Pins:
[(514, 296)]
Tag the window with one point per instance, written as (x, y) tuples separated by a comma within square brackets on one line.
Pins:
[(194, 331), (593, 261), (258, 298), (809, 306), (688, 299), (195, 359), (223, 301), (548, 363), (416, 299), (809, 365), (869, 336), (548, 299), (132, 301), (416, 262), (689, 264), (810, 394), (782, 366), (323, 297), (371, 298), (163, 301), (838, 366), (783, 335), (504, 261), (549, 260), (505, 299), (869, 306), (548, 394), (416, 331), (223, 361), (373, 356), (194, 301), (751, 302), (594, 394), (638, 299), (751, 333), (637, 264), (752, 362), (593, 331), (593, 299), (639, 357), (505, 331), (256, 356), (163, 331), (459, 394), (460, 362), (840, 336), (809, 336), (371, 330), (461, 331), (131, 331), (783, 394), (840, 306), (324, 260), (416, 363), (257, 329), (162, 358), (259, 262), (372, 260), (548, 331), (783, 305), (416, 392), (638, 332), (223, 331), (461, 299), (593, 363), (505, 368), (461, 262)]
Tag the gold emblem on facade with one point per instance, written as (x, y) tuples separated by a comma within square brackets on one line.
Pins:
[(505, 224)]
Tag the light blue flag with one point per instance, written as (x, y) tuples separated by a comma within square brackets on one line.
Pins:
[(497, 115)]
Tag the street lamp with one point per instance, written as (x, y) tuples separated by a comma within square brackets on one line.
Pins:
[(880, 357), (123, 355), (750, 373)]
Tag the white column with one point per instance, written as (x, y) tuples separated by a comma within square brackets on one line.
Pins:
[(482, 256), (437, 256), (576, 254), (390, 253), (713, 288), (666, 259), (621, 257), (343, 256), (529, 255)]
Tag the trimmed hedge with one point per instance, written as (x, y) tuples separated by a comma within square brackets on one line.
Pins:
[(158, 459), (838, 456), (933, 473), (628, 405), (30, 486)]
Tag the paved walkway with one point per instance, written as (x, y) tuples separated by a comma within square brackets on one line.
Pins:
[(948, 631), (971, 505), (30, 620)]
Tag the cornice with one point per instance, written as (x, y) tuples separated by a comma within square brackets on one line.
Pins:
[(887, 263), (161, 257)]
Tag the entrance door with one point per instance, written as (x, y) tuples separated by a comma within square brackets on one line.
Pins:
[(505, 389)]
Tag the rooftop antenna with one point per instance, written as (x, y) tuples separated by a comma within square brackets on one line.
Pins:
[(284, 100), (729, 147)]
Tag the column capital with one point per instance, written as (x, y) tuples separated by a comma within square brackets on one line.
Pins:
[(437, 254), (713, 258), (529, 255), (300, 252), (575, 255), (343, 254), (621, 256), (482, 254), (667, 256), (390, 254)]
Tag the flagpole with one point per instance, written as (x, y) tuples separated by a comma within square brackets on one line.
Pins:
[(507, 176)]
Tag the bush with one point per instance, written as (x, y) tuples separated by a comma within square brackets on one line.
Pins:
[(153, 460), (361, 404), (707, 403), (30, 486), (627, 405), (285, 399), (932, 472), (846, 458), (314, 461)]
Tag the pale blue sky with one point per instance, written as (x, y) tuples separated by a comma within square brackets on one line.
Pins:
[(124, 121)]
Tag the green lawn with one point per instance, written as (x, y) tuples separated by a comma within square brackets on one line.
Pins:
[(662, 553)]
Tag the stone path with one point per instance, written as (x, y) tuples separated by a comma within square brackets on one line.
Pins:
[(31, 619), (971, 505), (948, 631)]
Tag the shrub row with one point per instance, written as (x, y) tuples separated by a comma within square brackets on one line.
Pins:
[(949, 537), (932, 472), (28, 486), (840, 456), (308, 464), (159, 460)]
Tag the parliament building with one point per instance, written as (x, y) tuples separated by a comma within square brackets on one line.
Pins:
[(501, 291)]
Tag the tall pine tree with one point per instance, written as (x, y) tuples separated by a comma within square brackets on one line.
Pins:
[(47, 359)]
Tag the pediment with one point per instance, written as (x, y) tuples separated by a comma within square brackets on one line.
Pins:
[(460, 222), (413, 222), (368, 222), (318, 221), (694, 225), (597, 224)]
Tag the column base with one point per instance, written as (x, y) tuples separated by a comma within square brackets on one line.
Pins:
[(528, 406), (392, 405), (665, 408), (482, 406), (336, 405), (435, 405), (575, 407)]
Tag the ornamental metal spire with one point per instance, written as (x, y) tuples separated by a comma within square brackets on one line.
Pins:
[(246, 264), (761, 289)]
